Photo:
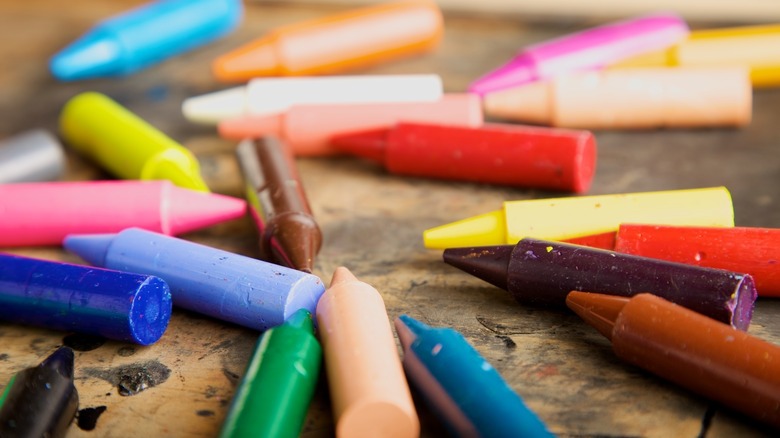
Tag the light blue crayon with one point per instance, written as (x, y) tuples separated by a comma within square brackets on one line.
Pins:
[(144, 36), (221, 284), (465, 391)]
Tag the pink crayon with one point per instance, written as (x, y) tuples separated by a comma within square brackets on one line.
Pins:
[(587, 50), (44, 213)]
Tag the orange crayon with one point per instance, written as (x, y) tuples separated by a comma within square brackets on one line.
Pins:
[(335, 43), (368, 389)]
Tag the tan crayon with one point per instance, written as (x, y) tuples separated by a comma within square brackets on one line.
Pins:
[(368, 388), (631, 98)]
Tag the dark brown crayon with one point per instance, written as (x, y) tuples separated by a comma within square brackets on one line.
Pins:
[(543, 272), (289, 235), (710, 358)]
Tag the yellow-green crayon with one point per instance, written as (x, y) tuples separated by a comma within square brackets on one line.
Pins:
[(124, 144)]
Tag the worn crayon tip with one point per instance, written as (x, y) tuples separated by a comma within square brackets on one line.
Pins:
[(61, 361), (342, 275), (301, 319), (365, 144), (599, 310), (489, 263), (90, 247), (409, 329), (487, 228)]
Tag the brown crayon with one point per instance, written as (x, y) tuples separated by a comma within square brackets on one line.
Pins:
[(705, 356), (289, 235)]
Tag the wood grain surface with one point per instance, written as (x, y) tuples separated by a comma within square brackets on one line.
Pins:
[(372, 223)]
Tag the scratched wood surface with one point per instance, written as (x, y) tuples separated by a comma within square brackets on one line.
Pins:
[(372, 223)]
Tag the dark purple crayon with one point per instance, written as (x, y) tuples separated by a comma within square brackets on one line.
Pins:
[(543, 272)]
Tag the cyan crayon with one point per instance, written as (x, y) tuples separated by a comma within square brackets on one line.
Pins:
[(144, 36), (221, 284), (40, 401), (465, 391), (116, 305)]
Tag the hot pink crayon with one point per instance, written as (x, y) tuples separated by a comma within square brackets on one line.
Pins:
[(44, 213), (587, 50)]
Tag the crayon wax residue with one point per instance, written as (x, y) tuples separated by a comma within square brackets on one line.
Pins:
[(133, 378), (83, 342), (88, 417)]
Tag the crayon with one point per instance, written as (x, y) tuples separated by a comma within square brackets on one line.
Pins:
[(524, 156), (755, 251), (542, 272), (261, 96), (217, 283), (308, 129), (368, 390), (709, 358), (124, 144), (635, 98), (289, 235), (44, 213), (466, 392), (601, 240), (586, 50), (144, 36), (331, 44), (31, 156), (40, 401), (278, 384), (757, 47), (552, 218), (62, 296)]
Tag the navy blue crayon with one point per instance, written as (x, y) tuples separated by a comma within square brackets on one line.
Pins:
[(63, 296), (221, 284)]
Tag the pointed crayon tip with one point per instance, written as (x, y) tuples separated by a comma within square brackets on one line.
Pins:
[(257, 58), (342, 275), (240, 128), (189, 210), (61, 361), (516, 72), (485, 229), (302, 319), (369, 144), (90, 247), (212, 107), (599, 310), (530, 103), (489, 263), (89, 57)]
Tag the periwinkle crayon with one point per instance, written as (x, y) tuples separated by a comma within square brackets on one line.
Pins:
[(543, 272), (40, 401), (221, 284), (116, 305)]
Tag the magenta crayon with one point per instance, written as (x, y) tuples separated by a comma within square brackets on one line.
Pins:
[(586, 50), (542, 272), (44, 213), (514, 155)]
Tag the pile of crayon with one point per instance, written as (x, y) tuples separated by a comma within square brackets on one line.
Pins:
[(651, 271)]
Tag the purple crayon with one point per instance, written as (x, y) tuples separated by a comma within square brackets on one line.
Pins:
[(543, 272)]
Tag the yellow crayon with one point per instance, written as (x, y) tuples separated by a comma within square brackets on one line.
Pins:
[(124, 144), (567, 218), (757, 47)]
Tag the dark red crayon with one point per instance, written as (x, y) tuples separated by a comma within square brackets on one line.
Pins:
[(289, 235), (755, 251), (543, 272), (514, 155), (710, 358), (601, 240)]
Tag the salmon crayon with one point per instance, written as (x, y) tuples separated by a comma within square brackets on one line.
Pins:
[(755, 251), (217, 283), (513, 155), (542, 272), (44, 213), (707, 357), (31, 156), (347, 41), (586, 50), (368, 389), (631, 98), (125, 145), (308, 129)]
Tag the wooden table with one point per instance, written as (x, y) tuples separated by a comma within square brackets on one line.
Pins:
[(372, 223)]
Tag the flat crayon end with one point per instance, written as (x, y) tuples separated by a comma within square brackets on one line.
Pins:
[(305, 294), (150, 312), (90, 247), (240, 128), (257, 58), (365, 144), (213, 107), (486, 229), (89, 57), (489, 263), (599, 310), (190, 210), (61, 361)]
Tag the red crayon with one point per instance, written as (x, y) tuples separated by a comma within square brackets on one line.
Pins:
[(601, 240), (515, 155), (755, 251)]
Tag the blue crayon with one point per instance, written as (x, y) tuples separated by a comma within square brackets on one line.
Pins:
[(465, 391), (227, 286), (144, 36), (63, 296)]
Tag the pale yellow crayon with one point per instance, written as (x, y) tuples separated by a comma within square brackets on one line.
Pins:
[(368, 388), (567, 218), (757, 47), (124, 144)]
